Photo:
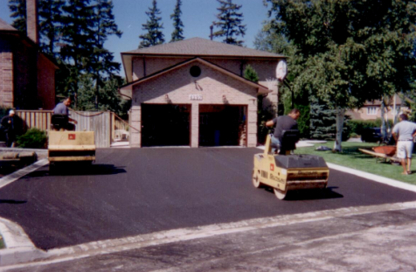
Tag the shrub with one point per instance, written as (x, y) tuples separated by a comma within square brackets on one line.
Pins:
[(33, 138), (357, 126)]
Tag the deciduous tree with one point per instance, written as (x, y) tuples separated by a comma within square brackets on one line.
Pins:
[(348, 51)]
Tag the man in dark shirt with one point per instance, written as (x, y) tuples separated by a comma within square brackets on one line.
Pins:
[(283, 123), (62, 108), (10, 126)]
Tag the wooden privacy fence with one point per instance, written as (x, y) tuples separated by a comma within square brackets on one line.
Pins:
[(105, 124)]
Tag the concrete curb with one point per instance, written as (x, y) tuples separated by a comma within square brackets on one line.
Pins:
[(16, 149), (22, 172), (19, 247)]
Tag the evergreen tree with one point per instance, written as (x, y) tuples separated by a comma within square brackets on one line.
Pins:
[(74, 33), (49, 25), (251, 74), (229, 23), (153, 27), (102, 64), (78, 41), (18, 12), (177, 34)]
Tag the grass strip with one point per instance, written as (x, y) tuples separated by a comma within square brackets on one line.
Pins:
[(353, 158), (2, 245)]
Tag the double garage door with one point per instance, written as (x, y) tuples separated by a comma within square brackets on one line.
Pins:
[(170, 125)]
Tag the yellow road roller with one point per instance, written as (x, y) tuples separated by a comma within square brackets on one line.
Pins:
[(287, 172), (69, 146)]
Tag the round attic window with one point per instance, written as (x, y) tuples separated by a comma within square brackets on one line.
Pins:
[(195, 71)]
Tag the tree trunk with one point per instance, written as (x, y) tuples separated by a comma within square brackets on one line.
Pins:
[(383, 120), (340, 114)]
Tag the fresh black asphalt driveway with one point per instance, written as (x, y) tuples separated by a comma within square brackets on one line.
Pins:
[(136, 191)]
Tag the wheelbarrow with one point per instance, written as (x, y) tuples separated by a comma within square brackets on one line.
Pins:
[(383, 153)]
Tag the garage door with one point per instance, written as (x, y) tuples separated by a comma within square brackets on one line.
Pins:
[(222, 125), (165, 125)]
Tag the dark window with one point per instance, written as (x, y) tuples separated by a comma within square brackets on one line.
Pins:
[(195, 71)]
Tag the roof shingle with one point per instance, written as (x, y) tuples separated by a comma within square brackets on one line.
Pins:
[(201, 47)]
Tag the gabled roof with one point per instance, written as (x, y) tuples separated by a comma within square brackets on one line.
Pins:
[(6, 27), (195, 47), (127, 89), (201, 47), (11, 31)]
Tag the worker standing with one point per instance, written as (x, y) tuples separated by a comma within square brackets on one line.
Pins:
[(10, 126), (403, 133), (283, 123), (62, 108)]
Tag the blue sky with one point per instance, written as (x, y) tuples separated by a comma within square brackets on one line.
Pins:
[(197, 16)]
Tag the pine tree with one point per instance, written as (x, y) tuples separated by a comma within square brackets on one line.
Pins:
[(102, 64), (153, 27), (251, 74), (177, 34), (49, 25), (78, 38), (18, 11), (229, 23)]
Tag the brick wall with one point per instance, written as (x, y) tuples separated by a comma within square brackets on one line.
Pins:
[(45, 82), (179, 87), (6, 74), (25, 76), (266, 69)]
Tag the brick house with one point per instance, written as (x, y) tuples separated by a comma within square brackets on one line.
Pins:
[(27, 77), (193, 93), (371, 110)]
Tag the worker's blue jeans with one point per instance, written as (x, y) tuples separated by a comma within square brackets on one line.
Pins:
[(275, 143)]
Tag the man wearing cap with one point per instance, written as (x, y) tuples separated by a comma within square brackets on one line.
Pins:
[(404, 132), (10, 126)]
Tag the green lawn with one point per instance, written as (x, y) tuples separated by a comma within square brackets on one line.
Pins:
[(351, 157), (1, 242)]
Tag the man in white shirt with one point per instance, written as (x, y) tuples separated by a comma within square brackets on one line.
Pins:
[(403, 133)]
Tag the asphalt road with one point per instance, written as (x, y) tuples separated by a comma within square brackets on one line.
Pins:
[(129, 192)]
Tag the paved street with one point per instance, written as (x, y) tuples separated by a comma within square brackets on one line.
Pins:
[(370, 238), (131, 192)]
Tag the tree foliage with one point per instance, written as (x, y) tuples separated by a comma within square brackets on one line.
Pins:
[(229, 21), (177, 34), (107, 94), (18, 12), (153, 26), (74, 33), (345, 52), (251, 74)]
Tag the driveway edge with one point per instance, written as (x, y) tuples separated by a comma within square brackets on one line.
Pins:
[(19, 247)]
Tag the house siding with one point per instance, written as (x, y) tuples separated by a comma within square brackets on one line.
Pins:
[(266, 70), (177, 86)]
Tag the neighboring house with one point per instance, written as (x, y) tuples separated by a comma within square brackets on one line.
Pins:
[(372, 110), (27, 77), (193, 93)]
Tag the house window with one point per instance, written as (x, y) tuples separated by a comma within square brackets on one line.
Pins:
[(195, 71), (372, 110)]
